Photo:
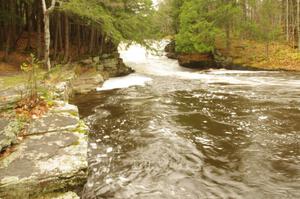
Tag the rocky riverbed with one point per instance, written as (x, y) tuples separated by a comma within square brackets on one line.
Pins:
[(47, 157)]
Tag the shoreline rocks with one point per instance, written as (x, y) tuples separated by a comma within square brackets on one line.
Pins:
[(197, 60), (49, 161), (106, 66), (203, 61), (51, 156), (191, 60)]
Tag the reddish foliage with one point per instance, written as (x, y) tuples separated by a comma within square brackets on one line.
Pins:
[(32, 107)]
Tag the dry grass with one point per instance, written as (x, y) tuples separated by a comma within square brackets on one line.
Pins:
[(251, 53)]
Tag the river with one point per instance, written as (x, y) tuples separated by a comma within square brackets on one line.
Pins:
[(167, 132)]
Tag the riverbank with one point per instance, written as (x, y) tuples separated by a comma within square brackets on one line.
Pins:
[(253, 54), (45, 156), (243, 54)]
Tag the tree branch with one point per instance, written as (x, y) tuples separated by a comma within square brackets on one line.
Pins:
[(52, 6), (50, 9), (44, 5)]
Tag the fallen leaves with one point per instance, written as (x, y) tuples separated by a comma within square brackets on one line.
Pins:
[(32, 107)]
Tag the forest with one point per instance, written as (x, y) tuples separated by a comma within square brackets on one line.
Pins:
[(65, 30), (197, 24), (259, 32)]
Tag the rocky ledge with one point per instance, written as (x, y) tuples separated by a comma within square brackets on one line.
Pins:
[(197, 60), (51, 157), (191, 60), (204, 61), (106, 66)]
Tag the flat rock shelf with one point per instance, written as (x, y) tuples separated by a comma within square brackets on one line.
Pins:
[(51, 157)]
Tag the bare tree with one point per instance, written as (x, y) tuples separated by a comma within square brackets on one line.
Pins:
[(298, 23), (47, 38), (287, 21)]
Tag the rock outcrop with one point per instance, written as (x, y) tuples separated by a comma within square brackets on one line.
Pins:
[(108, 65), (87, 82), (52, 156), (191, 60), (197, 60), (171, 51)]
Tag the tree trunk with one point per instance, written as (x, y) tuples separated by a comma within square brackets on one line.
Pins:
[(8, 41), (47, 31), (39, 34), (56, 37), (67, 41), (92, 41), (287, 21), (78, 39), (29, 26), (47, 41), (298, 23)]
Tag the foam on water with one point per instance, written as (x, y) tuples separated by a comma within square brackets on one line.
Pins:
[(148, 63), (125, 82)]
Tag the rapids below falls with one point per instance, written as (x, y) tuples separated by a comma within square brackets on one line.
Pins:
[(167, 132)]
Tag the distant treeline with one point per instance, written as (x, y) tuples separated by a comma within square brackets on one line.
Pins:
[(198, 24)]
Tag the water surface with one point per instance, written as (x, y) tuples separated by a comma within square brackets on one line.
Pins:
[(167, 132)]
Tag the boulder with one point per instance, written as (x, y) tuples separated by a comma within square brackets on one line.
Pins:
[(123, 69), (171, 51), (197, 60), (115, 67), (87, 82)]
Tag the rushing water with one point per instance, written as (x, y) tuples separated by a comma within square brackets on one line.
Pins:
[(184, 134)]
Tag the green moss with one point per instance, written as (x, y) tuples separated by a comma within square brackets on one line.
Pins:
[(10, 81), (81, 128)]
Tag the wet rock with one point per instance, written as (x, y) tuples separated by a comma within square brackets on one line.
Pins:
[(171, 51), (197, 60), (43, 164), (87, 83), (115, 67)]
